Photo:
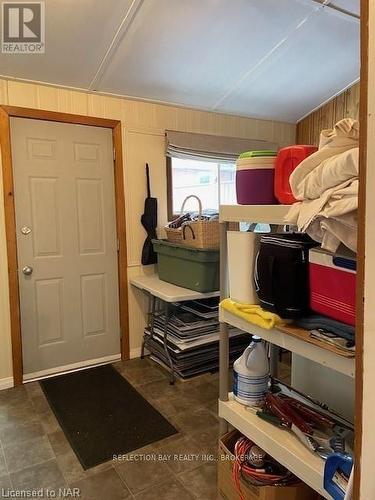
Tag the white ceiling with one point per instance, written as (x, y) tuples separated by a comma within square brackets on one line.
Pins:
[(274, 59)]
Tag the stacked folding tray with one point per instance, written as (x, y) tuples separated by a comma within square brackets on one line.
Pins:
[(193, 338)]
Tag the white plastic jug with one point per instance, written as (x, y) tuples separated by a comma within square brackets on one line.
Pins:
[(251, 374)]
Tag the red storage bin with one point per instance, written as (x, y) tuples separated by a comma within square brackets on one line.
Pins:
[(332, 285), (287, 160)]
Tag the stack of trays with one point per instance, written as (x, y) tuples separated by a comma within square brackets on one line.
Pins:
[(255, 178), (193, 338)]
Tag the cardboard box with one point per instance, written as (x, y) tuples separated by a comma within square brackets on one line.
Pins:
[(228, 491)]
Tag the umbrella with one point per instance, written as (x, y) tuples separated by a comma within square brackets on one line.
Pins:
[(149, 221)]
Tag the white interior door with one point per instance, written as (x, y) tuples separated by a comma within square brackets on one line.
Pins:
[(67, 244)]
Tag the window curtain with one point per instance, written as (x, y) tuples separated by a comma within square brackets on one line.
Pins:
[(215, 148)]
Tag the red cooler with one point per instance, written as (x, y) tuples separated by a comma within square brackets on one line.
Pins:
[(286, 161), (332, 285)]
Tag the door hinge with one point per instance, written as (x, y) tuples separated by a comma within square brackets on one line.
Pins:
[(114, 154)]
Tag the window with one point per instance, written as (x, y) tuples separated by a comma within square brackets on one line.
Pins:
[(214, 183)]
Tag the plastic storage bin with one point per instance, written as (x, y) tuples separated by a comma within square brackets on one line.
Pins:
[(188, 267), (332, 285), (287, 160), (242, 249), (255, 178)]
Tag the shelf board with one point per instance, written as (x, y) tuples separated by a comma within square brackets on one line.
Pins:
[(166, 291), (281, 444), (262, 214), (320, 355)]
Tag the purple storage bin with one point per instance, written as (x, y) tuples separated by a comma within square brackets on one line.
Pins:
[(255, 186)]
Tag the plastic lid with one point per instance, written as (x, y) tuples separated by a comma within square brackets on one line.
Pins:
[(255, 154), (256, 338)]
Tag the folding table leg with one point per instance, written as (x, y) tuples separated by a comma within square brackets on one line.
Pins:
[(165, 338), (151, 317)]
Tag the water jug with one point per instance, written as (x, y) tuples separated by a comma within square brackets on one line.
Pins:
[(251, 374)]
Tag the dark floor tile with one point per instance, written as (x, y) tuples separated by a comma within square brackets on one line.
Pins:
[(207, 439), (170, 439), (159, 389), (28, 453), (169, 406), (184, 454), (200, 419), (72, 469), (142, 373), (49, 422), (171, 490), (14, 396), (3, 466), (70, 466), (17, 414), (44, 475), (213, 407), (142, 474), (5, 482), (33, 389), (17, 433), (200, 393), (106, 484), (132, 365), (59, 443), (41, 404), (201, 482)]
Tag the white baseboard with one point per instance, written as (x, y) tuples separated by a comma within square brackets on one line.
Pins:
[(83, 365), (6, 383)]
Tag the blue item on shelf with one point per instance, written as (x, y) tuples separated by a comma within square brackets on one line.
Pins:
[(337, 470)]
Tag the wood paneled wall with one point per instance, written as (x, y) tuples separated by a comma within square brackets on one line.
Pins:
[(345, 105), (143, 129)]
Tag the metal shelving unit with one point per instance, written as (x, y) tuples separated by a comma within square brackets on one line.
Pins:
[(279, 443)]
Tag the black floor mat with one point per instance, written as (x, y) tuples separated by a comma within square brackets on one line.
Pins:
[(102, 415)]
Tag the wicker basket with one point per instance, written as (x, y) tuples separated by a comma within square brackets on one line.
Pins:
[(201, 233), (204, 234), (174, 235)]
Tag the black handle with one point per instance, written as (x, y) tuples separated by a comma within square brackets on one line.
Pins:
[(184, 230), (148, 180)]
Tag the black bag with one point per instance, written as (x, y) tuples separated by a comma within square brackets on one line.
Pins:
[(281, 274), (149, 221)]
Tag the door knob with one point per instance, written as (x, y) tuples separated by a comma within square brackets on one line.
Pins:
[(27, 270)]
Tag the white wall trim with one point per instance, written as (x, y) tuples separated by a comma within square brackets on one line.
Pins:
[(6, 383), (83, 365)]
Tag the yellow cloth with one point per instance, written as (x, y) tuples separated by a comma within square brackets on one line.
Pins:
[(253, 314)]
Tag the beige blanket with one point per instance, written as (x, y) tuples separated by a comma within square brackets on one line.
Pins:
[(327, 184)]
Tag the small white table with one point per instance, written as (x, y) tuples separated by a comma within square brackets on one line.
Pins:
[(168, 294)]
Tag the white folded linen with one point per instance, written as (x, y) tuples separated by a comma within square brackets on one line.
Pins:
[(327, 184)]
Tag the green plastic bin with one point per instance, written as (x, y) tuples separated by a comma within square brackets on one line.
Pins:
[(188, 267)]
